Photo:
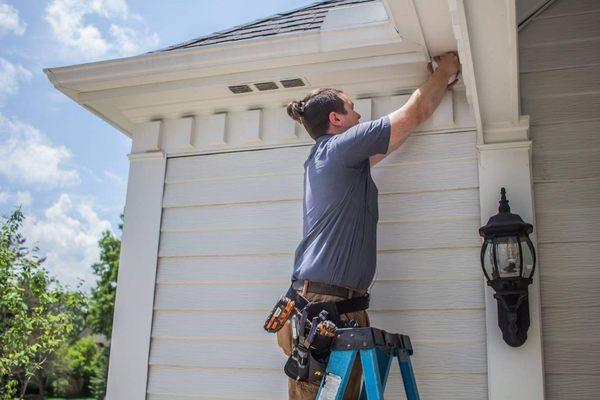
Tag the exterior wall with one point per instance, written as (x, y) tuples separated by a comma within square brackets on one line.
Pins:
[(560, 91), (232, 220)]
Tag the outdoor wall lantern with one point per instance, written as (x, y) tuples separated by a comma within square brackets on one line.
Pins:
[(508, 262)]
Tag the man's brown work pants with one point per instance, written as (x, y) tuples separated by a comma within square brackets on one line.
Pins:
[(308, 391)]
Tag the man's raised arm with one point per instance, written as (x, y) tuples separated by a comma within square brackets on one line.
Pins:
[(421, 104)]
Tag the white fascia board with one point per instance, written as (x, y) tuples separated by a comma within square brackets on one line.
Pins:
[(183, 63)]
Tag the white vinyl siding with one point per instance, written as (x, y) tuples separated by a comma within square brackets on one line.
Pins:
[(560, 90), (231, 223)]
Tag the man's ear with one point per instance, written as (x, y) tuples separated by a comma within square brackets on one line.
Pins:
[(334, 119)]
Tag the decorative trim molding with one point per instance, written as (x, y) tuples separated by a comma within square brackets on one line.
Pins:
[(146, 137), (272, 127), (149, 155), (505, 146)]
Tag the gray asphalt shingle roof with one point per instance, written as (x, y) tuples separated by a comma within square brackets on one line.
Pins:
[(304, 19)]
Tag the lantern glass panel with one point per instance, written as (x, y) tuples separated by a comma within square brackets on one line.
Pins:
[(488, 260), (528, 257), (508, 256)]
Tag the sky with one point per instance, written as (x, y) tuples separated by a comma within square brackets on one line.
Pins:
[(64, 167)]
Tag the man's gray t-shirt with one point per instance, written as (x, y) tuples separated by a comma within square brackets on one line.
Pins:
[(340, 207)]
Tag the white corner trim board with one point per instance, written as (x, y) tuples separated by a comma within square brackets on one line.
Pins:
[(134, 301), (513, 373)]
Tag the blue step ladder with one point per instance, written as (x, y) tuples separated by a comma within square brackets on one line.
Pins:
[(376, 348)]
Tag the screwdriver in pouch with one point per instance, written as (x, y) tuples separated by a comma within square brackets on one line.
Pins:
[(295, 328)]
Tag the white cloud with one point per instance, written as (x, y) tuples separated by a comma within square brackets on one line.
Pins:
[(27, 156), (69, 20), (11, 76), (10, 21), (68, 235), (18, 198), (119, 180)]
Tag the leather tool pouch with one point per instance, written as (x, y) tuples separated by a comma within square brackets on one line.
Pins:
[(296, 366), (302, 366)]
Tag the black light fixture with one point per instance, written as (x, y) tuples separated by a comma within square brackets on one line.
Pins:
[(508, 262)]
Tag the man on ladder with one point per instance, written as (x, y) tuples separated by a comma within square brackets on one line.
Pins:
[(336, 259)]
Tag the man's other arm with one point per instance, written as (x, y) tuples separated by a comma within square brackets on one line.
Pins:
[(421, 104)]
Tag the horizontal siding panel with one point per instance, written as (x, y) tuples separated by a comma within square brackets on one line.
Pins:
[(409, 206), (393, 295), (186, 383), (575, 194), (564, 81), (570, 27), (247, 325), (233, 216), (563, 7), (425, 263), (433, 147), (562, 109), (572, 386), (566, 137), (236, 164), (569, 259), (458, 174), (239, 190), (567, 165), (246, 268), (397, 265), (569, 226), (390, 236), (569, 291), (559, 55), (211, 384), (428, 358), (572, 356), (405, 178), (421, 148), (571, 322)]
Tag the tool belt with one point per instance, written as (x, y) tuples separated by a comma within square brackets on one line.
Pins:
[(315, 324), (334, 308)]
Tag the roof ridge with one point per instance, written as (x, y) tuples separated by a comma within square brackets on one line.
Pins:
[(220, 34)]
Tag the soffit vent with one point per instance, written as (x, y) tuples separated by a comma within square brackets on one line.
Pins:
[(237, 89), (266, 86), (288, 83)]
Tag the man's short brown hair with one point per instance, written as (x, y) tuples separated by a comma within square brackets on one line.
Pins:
[(313, 110)]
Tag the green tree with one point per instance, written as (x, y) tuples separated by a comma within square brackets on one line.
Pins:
[(72, 368), (37, 315), (102, 304)]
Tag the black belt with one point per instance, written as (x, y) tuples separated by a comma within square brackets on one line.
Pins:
[(340, 307), (324, 288)]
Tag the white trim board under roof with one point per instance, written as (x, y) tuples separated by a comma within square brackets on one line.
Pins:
[(359, 46)]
